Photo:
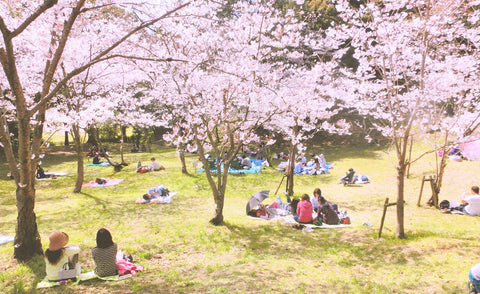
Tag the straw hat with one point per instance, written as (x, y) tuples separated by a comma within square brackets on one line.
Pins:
[(58, 240)]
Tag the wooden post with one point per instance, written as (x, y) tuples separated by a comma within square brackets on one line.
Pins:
[(383, 215), (421, 190), (434, 191), (276, 191)]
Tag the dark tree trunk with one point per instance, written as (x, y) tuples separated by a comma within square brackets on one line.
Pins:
[(66, 142), (27, 239), (218, 214), (181, 155), (79, 151), (400, 232), (290, 168), (123, 130), (92, 136)]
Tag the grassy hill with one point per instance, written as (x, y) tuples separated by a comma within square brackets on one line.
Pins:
[(182, 253)]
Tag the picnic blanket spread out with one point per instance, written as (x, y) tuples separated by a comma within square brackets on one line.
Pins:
[(45, 283), (5, 239), (324, 170), (289, 219), (110, 182), (255, 169), (103, 163), (59, 174), (52, 175), (163, 200)]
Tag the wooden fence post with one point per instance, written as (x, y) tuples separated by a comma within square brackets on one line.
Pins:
[(383, 215), (421, 190)]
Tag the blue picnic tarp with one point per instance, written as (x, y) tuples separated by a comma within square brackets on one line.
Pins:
[(255, 169)]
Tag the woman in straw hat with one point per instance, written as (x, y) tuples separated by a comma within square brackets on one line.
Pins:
[(58, 255)]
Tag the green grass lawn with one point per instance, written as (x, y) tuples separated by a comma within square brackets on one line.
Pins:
[(182, 253)]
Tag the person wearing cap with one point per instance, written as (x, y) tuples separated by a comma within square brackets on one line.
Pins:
[(58, 255)]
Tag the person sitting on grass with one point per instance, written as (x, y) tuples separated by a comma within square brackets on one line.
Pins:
[(470, 202), (155, 165), (60, 256), (304, 210), (348, 178), (317, 199), (246, 163), (105, 254)]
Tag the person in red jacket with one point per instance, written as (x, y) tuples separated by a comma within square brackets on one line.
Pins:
[(304, 210)]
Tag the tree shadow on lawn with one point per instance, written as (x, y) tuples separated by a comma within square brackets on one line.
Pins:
[(283, 240), (96, 199)]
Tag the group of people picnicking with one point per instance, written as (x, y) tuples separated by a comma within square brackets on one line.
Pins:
[(314, 209), (62, 260), (469, 204), (317, 165), (153, 166)]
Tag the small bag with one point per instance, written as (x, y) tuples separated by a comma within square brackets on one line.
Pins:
[(65, 273)]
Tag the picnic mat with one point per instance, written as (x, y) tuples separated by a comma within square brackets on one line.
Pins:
[(52, 175), (5, 239), (289, 219), (110, 182), (162, 200), (45, 283), (105, 163), (58, 174)]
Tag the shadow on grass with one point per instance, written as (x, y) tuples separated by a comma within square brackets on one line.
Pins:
[(97, 200), (284, 241)]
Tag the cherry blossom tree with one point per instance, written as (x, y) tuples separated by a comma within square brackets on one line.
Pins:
[(221, 96), (412, 55), (52, 34)]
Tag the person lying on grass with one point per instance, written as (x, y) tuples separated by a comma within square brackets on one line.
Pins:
[(154, 195)]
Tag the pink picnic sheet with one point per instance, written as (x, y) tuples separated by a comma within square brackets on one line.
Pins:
[(110, 182)]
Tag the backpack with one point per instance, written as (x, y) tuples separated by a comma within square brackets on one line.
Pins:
[(328, 215), (164, 192)]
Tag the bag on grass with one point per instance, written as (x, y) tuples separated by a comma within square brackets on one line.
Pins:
[(328, 215)]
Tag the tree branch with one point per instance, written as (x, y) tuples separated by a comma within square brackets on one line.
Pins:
[(41, 9)]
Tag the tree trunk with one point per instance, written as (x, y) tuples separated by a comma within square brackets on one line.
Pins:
[(80, 168), (290, 168), (400, 233), (219, 199), (123, 130), (442, 166), (66, 142), (92, 136), (27, 239), (121, 146), (181, 155)]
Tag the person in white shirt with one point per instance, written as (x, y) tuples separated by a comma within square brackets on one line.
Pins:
[(472, 202), (155, 165)]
